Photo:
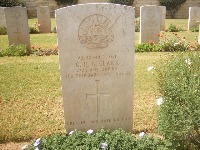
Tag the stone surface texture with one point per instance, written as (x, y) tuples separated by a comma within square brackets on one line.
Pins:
[(17, 26), (44, 20), (149, 24), (96, 54)]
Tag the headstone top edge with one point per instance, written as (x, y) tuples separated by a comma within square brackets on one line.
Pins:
[(150, 6), (194, 7), (20, 7), (90, 4)]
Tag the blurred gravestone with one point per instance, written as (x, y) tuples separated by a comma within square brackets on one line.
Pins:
[(17, 26), (194, 16), (162, 17), (149, 23), (44, 20), (96, 53), (2, 17)]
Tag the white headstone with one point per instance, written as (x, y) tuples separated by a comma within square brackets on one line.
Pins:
[(194, 16), (96, 53), (17, 26), (162, 18), (44, 20), (149, 23), (2, 17)]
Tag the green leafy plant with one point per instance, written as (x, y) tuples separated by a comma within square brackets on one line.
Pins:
[(148, 47), (122, 2), (14, 50), (195, 27), (173, 44), (179, 85), (11, 3), (102, 139), (66, 2), (172, 5), (54, 30), (3, 31), (34, 29), (173, 28)]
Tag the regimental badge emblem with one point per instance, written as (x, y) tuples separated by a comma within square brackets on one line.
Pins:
[(96, 31)]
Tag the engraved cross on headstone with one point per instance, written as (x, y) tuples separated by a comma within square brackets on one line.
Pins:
[(18, 36), (98, 96)]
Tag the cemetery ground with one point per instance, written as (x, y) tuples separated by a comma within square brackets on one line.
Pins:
[(30, 90)]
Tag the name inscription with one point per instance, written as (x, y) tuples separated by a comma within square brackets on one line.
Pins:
[(94, 66)]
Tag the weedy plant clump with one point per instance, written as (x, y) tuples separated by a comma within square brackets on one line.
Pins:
[(173, 44), (14, 50), (179, 85), (3, 31), (34, 29), (137, 25)]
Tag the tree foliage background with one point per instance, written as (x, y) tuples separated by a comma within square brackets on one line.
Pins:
[(123, 2), (66, 2), (11, 3), (172, 5)]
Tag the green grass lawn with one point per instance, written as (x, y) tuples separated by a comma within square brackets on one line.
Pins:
[(30, 89)]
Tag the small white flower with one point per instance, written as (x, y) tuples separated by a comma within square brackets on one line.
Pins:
[(37, 142), (141, 134), (36, 148), (150, 68), (71, 132), (159, 101), (24, 147), (104, 145), (175, 44), (90, 131), (188, 61)]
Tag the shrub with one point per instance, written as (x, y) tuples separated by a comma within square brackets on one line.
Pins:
[(122, 2), (11, 3), (172, 28), (3, 31), (54, 30), (34, 29), (172, 44), (179, 85), (103, 139), (14, 50), (148, 47), (172, 5), (195, 29)]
